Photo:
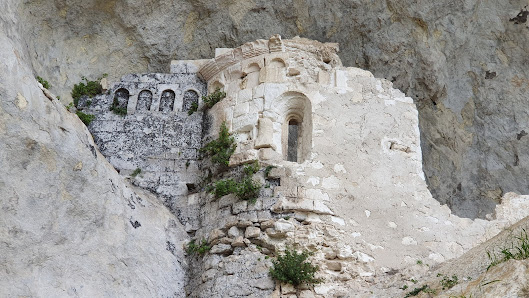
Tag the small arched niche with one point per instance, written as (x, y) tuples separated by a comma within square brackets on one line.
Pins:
[(144, 101), (167, 101), (121, 98), (295, 112), (190, 98)]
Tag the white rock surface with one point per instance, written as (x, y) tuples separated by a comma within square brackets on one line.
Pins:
[(69, 223)]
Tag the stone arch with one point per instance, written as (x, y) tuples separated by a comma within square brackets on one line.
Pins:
[(121, 98), (167, 101), (294, 110), (144, 101), (190, 98)]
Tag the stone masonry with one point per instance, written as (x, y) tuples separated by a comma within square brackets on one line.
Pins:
[(344, 176)]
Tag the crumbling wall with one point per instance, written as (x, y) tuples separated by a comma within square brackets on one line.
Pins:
[(162, 143)]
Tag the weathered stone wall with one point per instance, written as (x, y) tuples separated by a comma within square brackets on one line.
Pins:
[(356, 196), (157, 135)]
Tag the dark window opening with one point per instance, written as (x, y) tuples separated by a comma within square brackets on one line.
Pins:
[(293, 132)]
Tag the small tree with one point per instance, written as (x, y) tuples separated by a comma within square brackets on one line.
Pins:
[(293, 268)]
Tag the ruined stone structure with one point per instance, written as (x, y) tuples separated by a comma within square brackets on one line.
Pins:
[(346, 179)]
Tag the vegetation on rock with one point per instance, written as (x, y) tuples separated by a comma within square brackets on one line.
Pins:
[(194, 248), (222, 148), (44, 83), (91, 89), (293, 268), (117, 109), (213, 98), (518, 250), (86, 118), (136, 172), (194, 108), (245, 189)]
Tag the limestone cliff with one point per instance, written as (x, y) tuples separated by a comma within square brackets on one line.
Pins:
[(353, 190), (70, 225)]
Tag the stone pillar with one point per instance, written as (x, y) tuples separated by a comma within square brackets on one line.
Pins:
[(265, 134)]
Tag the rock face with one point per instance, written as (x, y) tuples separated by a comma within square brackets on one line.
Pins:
[(462, 62), (70, 224)]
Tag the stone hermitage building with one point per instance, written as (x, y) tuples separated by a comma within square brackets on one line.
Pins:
[(345, 181)]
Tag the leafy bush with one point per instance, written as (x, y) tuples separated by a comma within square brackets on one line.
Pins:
[(251, 168), (91, 89), (222, 148), (194, 108), (44, 83), (86, 118), (293, 268), (224, 187), (117, 109), (248, 189), (213, 98), (194, 248)]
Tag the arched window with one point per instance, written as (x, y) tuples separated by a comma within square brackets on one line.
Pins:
[(293, 140), (121, 98), (167, 101), (144, 101), (295, 112), (190, 98)]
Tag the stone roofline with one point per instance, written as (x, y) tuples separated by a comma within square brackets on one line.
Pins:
[(226, 57)]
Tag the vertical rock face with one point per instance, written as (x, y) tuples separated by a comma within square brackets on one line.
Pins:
[(70, 225)]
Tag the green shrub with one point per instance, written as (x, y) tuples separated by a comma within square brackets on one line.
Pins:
[(44, 83), (213, 98), (248, 189), (86, 118), (222, 148), (136, 172), (194, 248), (251, 168), (194, 108), (293, 268), (117, 109), (224, 187), (91, 89)]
